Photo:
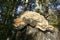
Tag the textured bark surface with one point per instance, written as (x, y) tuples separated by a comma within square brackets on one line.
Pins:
[(30, 33)]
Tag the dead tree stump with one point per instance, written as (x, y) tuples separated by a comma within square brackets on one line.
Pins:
[(30, 33)]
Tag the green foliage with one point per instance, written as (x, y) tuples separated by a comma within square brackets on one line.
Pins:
[(52, 18)]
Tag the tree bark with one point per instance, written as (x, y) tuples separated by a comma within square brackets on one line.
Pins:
[(30, 33)]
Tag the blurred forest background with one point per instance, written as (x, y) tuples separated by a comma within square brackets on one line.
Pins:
[(10, 9)]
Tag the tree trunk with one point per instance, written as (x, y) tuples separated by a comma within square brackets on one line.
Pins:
[(30, 33)]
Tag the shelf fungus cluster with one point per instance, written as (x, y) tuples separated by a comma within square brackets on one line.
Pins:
[(33, 19)]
